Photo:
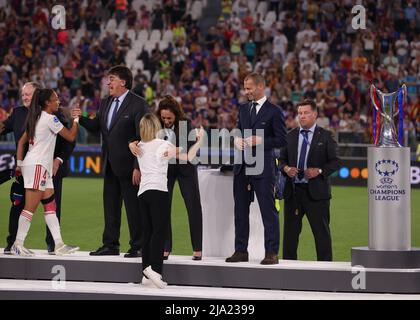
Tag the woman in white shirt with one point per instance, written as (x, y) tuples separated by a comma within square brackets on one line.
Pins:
[(41, 131), (153, 155)]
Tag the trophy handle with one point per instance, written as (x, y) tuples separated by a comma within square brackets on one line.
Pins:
[(373, 91), (404, 92)]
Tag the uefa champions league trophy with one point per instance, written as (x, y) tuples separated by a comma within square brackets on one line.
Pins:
[(388, 188)]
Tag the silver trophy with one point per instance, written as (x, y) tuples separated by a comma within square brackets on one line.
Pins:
[(385, 104)]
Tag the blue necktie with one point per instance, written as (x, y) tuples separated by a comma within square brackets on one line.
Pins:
[(253, 112), (114, 113), (301, 165)]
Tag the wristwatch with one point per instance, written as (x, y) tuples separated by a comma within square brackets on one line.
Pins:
[(319, 171)]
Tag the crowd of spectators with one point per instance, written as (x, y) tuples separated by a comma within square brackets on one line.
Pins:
[(310, 49)]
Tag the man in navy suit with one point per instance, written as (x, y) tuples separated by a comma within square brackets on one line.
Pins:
[(262, 128), (308, 160)]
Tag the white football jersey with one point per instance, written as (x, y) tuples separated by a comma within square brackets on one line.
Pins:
[(41, 149)]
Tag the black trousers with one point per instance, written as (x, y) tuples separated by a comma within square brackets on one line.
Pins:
[(155, 212), (117, 189), (318, 213), (188, 183), (16, 209), (263, 188)]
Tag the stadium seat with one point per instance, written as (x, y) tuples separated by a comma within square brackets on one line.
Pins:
[(123, 25), (147, 74), (138, 46), (130, 58), (270, 18), (138, 64), (163, 45), (282, 16), (196, 10), (136, 4), (149, 46), (132, 35), (143, 35), (235, 6), (262, 8), (155, 36), (111, 25), (120, 33), (252, 5), (168, 36)]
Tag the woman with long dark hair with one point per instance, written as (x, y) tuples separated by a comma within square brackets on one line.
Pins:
[(171, 116), (41, 131)]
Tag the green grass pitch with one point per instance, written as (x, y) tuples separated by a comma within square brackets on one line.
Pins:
[(82, 220)]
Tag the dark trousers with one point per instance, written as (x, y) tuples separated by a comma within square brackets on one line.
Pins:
[(117, 189), (264, 189), (154, 210), (16, 210), (318, 213), (191, 194), (17, 191)]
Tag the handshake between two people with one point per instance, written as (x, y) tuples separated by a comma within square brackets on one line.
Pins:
[(75, 112)]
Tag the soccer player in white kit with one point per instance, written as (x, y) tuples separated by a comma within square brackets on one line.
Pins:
[(41, 131), (153, 155)]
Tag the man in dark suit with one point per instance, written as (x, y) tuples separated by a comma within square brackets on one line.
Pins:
[(63, 149), (308, 160), (118, 121), (171, 116), (262, 128)]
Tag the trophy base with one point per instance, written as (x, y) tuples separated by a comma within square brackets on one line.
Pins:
[(368, 258)]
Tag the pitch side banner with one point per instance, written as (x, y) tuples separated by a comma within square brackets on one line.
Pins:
[(89, 163)]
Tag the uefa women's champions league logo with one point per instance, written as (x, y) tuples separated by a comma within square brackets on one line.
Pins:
[(386, 169)]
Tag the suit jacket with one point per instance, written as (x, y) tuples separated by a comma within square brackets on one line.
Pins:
[(16, 123), (322, 154), (183, 168), (269, 118), (124, 128)]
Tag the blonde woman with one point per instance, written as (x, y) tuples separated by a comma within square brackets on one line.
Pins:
[(153, 192)]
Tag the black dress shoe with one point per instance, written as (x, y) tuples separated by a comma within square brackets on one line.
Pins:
[(51, 250), (238, 257), (105, 251), (270, 258), (133, 253), (8, 249), (196, 258)]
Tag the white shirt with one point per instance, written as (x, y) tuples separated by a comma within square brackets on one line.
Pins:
[(41, 149), (280, 44), (153, 166), (260, 103), (111, 109)]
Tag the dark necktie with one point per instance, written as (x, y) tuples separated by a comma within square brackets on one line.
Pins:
[(253, 111), (303, 148), (114, 112)]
